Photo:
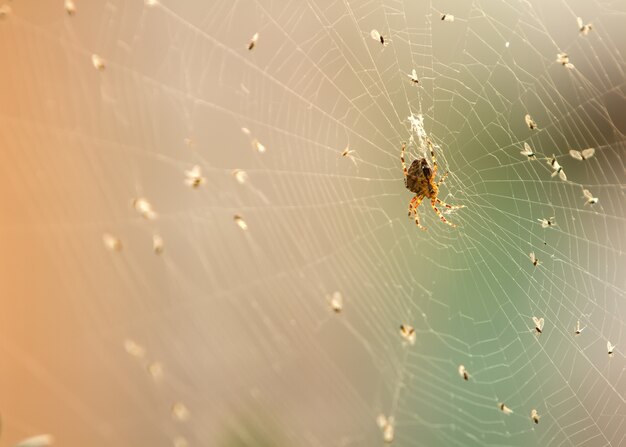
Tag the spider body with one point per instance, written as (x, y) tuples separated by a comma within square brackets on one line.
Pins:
[(420, 180)]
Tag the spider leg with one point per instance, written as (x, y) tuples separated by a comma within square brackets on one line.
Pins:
[(443, 219), (406, 173), (451, 207), (413, 204), (432, 155), (442, 178)]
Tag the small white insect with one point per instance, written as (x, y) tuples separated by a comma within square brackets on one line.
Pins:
[(408, 333), (144, 208), (610, 348), (98, 63), (253, 41), (155, 369), (258, 146), (584, 29), (534, 259), (532, 125), (589, 198), (70, 7), (413, 77), (538, 324), (239, 221), (348, 153), (194, 177), (180, 412), (5, 10), (507, 44), (111, 242), (463, 372), (578, 328), (134, 349), (506, 410), (528, 151), (245, 130), (563, 59), (547, 223), (386, 426), (379, 37), (336, 302), (157, 244), (534, 416), (557, 169), (447, 17), (240, 175), (582, 155), (36, 441)]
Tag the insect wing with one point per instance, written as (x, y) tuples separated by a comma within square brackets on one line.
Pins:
[(576, 154), (375, 34), (588, 153), (579, 21), (562, 175), (538, 323)]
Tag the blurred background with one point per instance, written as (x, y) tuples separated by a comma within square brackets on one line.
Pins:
[(139, 309)]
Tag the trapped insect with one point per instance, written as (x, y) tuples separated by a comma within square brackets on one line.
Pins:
[(240, 175), (144, 208), (589, 198), (134, 349), (98, 63), (336, 302), (180, 412), (379, 37), (253, 41), (610, 348), (447, 17), (578, 328), (348, 153), (534, 416), (533, 258), (5, 10), (240, 222), (506, 410), (36, 441), (157, 244), (386, 426), (547, 223), (563, 59), (70, 7), (111, 242), (557, 169), (258, 146), (463, 372), (538, 324), (530, 122), (194, 177), (413, 77), (585, 154), (528, 151), (420, 179), (408, 333), (584, 29), (155, 369)]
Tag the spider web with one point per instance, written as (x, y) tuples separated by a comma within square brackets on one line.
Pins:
[(227, 337)]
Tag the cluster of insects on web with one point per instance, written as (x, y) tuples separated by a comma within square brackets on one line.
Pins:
[(420, 178)]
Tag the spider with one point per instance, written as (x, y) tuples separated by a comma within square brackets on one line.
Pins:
[(420, 179)]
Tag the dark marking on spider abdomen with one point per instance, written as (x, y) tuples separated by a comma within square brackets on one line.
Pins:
[(419, 177)]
